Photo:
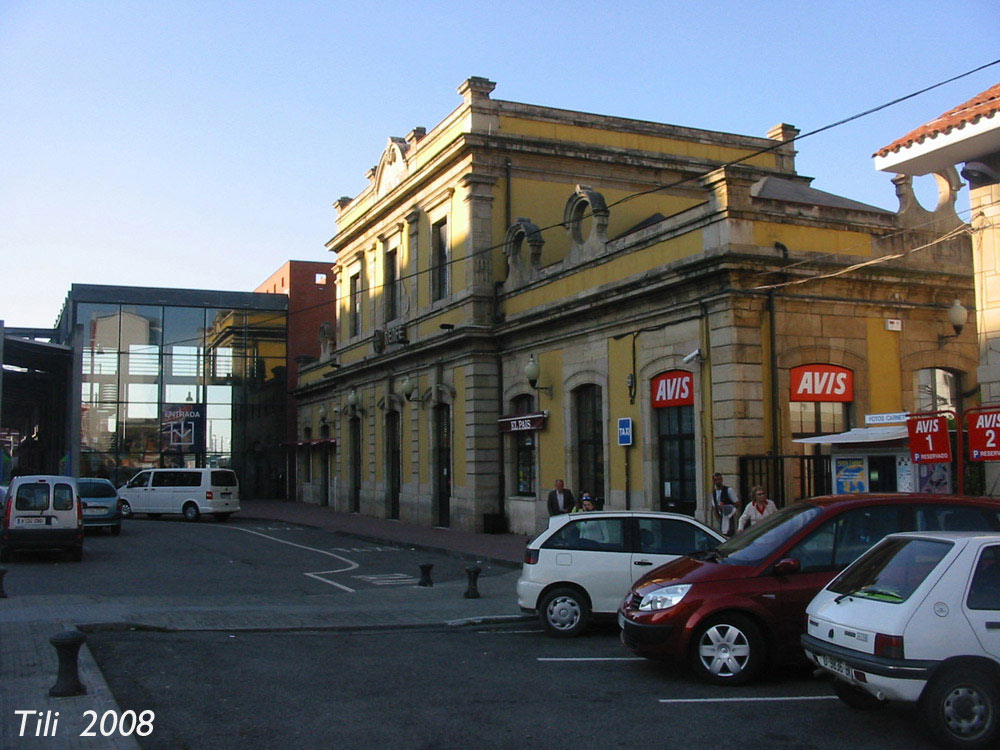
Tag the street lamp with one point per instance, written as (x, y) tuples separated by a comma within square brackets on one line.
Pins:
[(532, 372), (957, 316)]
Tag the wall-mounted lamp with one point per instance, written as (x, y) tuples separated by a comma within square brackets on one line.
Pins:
[(630, 382), (957, 315), (352, 399), (321, 412), (407, 388), (447, 326), (531, 372)]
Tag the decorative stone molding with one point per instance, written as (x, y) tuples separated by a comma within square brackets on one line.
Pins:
[(583, 204), (391, 169), (943, 218), (520, 269)]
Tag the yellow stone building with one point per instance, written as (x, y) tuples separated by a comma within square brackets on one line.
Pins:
[(517, 280)]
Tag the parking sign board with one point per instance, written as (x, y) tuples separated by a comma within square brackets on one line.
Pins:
[(929, 440), (983, 428)]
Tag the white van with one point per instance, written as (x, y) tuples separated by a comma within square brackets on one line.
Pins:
[(190, 492), (42, 512)]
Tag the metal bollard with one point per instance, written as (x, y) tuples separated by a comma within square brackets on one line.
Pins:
[(3, 572), (425, 575), (67, 645), (472, 592)]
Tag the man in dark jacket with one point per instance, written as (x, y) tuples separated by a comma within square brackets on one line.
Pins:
[(560, 499)]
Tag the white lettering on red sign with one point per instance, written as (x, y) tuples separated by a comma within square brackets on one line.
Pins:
[(822, 383), (674, 388)]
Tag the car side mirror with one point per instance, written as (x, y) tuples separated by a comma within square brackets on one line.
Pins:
[(787, 565)]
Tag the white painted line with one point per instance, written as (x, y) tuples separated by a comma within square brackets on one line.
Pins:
[(591, 658), (351, 565), (749, 700), (318, 577)]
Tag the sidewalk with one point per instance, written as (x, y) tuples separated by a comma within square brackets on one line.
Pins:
[(28, 662)]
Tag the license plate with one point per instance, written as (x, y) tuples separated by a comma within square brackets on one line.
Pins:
[(835, 665), (31, 521), (227, 494), (94, 511)]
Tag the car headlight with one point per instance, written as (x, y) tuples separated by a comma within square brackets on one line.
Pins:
[(664, 598)]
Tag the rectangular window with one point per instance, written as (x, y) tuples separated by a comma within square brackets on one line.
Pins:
[(524, 450), (676, 443), (440, 260), (389, 286), (355, 316)]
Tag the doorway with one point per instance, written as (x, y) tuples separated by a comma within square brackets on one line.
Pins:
[(355, 428), (442, 464), (392, 457)]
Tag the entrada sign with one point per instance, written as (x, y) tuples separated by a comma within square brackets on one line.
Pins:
[(818, 382), (673, 388)]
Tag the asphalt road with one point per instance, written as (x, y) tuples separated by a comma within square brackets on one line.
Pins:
[(501, 687)]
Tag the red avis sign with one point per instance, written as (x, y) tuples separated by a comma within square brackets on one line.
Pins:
[(817, 382), (983, 429), (673, 388), (929, 440)]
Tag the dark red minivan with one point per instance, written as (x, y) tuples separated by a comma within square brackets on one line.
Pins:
[(730, 611)]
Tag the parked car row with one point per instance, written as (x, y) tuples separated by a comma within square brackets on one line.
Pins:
[(729, 609), (49, 512)]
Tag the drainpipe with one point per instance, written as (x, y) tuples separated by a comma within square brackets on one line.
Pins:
[(773, 346)]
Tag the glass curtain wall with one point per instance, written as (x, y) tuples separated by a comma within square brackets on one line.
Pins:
[(183, 386)]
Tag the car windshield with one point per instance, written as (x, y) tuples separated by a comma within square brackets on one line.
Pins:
[(891, 570), (96, 489), (753, 546)]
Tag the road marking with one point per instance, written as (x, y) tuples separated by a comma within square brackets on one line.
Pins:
[(591, 658), (351, 565), (388, 579), (319, 577), (749, 700)]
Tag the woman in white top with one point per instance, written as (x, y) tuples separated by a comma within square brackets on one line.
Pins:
[(759, 508)]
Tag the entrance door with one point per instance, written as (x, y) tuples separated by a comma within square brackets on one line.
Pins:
[(442, 472), (324, 468), (675, 435), (392, 457), (881, 473), (355, 465)]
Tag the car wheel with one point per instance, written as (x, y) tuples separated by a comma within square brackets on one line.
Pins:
[(126, 509), (191, 512), (961, 706), (856, 698), (116, 530), (564, 612), (728, 650)]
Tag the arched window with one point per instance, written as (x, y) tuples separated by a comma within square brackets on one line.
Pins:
[(935, 389), (589, 411)]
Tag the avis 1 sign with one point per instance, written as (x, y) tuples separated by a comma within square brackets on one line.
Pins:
[(983, 429), (930, 442)]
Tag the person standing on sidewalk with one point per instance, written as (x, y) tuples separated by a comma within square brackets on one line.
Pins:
[(726, 504), (759, 507), (561, 500)]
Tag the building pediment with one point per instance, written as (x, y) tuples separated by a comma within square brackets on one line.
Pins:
[(392, 168)]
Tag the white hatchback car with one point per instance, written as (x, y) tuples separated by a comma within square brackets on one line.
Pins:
[(917, 618), (584, 563)]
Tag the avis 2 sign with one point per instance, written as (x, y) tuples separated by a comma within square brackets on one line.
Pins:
[(983, 429), (930, 442)]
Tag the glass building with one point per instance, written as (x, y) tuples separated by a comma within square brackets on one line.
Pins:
[(178, 377)]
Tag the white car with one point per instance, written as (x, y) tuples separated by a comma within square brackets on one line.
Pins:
[(584, 563), (917, 619)]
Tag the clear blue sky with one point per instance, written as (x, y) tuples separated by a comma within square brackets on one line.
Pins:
[(201, 144)]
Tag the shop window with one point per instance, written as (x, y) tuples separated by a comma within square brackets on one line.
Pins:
[(588, 407), (936, 389), (524, 449), (440, 260)]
